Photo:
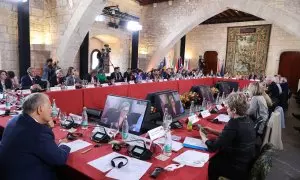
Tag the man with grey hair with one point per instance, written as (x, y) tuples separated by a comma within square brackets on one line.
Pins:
[(28, 150), (30, 79)]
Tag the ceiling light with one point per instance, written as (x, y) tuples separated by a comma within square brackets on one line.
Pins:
[(100, 18), (134, 26), (155, 5), (170, 3), (187, 1)]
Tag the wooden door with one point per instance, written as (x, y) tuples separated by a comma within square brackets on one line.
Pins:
[(211, 61), (289, 67)]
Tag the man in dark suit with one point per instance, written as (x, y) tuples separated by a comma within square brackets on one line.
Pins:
[(117, 75), (30, 79), (127, 74), (58, 78), (28, 150)]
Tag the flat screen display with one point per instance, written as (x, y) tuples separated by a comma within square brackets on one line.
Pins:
[(138, 150), (99, 135), (116, 108), (170, 101)]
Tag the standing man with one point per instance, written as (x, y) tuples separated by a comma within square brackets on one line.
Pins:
[(28, 150), (48, 70)]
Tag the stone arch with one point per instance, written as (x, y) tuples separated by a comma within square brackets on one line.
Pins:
[(199, 11), (81, 21)]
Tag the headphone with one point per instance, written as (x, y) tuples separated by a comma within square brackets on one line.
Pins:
[(120, 164), (74, 136)]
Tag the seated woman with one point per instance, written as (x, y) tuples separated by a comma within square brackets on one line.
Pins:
[(236, 143), (14, 79), (72, 77), (58, 79), (5, 83), (258, 109)]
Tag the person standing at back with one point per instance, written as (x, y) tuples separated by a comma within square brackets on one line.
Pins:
[(28, 150)]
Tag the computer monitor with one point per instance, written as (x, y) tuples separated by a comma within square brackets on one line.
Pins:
[(116, 108), (171, 101)]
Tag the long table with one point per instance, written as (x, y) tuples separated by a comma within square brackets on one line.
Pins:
[(74, 100), (77, 166)]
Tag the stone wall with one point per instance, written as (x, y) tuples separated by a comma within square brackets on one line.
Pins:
[(9, 59), (214, 38), (164, 25)]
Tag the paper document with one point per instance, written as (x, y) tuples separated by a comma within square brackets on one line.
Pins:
[(192, 158), (2, 106), (176, 146), (103, 163), (134, 170), (194, 143), (223, 118), (77, 145)]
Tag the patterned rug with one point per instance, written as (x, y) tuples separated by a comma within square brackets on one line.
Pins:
[(247, 49)]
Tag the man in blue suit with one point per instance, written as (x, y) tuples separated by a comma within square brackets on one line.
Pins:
[(30, 79), (28, 150)]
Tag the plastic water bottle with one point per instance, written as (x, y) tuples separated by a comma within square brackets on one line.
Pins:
[(84, 123), (218, 99), (167, 149), (21, 98), (204, 103), (54, 112), (7, 102), (192, 108), (48, 85), (167, 119), (125, 129), (223, 98)]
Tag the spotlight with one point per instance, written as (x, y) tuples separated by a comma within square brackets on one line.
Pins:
[(134, 26), (154, 5), (170, 3)]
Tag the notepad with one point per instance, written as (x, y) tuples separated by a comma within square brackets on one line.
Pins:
[(77, 145), (192, 158), (194, 143)]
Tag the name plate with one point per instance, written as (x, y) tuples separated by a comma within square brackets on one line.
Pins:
[(156, 133), (118, 83), (150, 80), (176, 79), (55, 88), (193, 119), (165, 80), (143, 81), (90, 86), (233, 78), (26, 91), (104, 85), (219, 107), (131, 82), (70, 87), (1, 96), (160, 80), (205, 114)]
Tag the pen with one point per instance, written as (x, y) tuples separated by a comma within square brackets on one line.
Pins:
[(83, 152)]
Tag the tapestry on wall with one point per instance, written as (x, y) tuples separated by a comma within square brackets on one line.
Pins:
[(247, 49)]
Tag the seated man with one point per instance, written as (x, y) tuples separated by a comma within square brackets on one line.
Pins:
[(28, 150), (30, 79)]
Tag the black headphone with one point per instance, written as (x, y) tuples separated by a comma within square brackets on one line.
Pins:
[(121, 164), (74, 136)]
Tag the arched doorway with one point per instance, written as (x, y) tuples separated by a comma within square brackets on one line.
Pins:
[(289, 67), (211, 61)]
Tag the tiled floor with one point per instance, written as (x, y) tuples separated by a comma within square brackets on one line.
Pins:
[(286, 163)]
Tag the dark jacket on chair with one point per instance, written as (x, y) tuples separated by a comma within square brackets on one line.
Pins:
[(28, 151), (236, 145)]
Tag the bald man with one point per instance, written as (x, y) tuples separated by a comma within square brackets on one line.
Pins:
[(28, 150)]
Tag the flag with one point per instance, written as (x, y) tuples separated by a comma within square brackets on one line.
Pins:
[(179, 64), (162, 64)]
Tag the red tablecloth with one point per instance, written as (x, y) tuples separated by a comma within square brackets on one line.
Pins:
[(140, 91), (96, 97), (69, 101), (77, 162)]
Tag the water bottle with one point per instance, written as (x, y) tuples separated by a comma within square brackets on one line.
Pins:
[(204, 103), (192, 108), (167, 119), (54, 111), (125, 129), (223, 98), (7, 102), (48, 86), (84, 116), (21, 98), (167, 149), (218, 99)]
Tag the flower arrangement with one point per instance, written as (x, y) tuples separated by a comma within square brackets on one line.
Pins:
[(188, 97), (215, 91)]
